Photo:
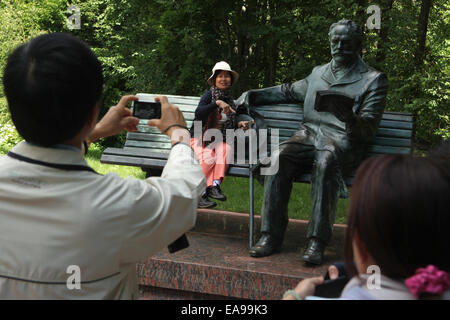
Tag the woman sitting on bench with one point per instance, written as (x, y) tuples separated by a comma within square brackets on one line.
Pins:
[(216, 110)]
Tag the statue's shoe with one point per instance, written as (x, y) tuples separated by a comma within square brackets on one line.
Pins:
[(314, 251), (266, 246)]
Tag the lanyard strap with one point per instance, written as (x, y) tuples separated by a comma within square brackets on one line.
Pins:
[(69, 167)]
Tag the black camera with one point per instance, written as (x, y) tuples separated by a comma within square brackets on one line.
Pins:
[(146, 109)]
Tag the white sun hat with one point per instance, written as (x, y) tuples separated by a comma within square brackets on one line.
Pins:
[(222, 65)]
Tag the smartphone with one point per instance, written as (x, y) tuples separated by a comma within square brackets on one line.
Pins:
[(146, 109), (331, 288)]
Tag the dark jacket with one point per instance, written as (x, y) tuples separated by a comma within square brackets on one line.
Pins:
[(206, 106)]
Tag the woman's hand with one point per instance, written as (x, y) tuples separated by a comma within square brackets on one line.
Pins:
[(225, 107), (307, 287), (333, 272), (245, 125)]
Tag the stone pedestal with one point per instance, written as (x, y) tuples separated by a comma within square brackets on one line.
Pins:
[(217, 265)]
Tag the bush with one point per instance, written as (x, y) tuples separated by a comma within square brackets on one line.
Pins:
[(9, 137)]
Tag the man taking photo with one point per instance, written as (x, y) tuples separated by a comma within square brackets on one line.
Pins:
[(56, 213)]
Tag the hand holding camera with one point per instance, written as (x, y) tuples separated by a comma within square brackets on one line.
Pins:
[(170, 121), (164, 116), (117, 118)]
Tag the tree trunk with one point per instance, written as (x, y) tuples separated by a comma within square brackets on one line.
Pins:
[(422, 31)]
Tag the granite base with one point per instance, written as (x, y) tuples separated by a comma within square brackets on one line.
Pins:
[(216, 265)]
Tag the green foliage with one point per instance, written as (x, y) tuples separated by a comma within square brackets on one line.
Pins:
[(20, 22), (93, 160), (170, 47)]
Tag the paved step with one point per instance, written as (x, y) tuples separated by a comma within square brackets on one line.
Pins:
[(217, 265)]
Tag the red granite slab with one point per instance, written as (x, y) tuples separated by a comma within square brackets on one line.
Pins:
[(217, 261)]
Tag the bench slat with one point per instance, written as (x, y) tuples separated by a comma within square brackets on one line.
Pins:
[(146, 129), (282, 124), (135, 152), (383, 141), (397, 117), (186, 108), (188, 116), (295, 124), (389, 150), (380, 141), (394, 142), (274, 117), (149, 148), (378, 149), (147, 137), (382, 132), (294, 108), (396, 133), (374, 149), (285, 108), (133, 161), (156, 150), (395, 124), (148, 144), (281, 115), (172, 98)]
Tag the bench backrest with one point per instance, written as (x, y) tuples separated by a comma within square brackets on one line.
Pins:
[(394, 135)]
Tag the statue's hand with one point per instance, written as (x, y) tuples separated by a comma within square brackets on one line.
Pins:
[(243, 101)]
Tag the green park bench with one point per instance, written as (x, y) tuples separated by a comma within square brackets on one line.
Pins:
[(149, 149)]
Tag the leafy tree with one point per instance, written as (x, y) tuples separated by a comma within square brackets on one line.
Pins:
[(170, 46)]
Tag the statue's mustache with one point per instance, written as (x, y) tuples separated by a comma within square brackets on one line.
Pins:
[(341, 52)]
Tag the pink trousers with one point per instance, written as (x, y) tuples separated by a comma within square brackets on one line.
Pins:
[(213, 159)]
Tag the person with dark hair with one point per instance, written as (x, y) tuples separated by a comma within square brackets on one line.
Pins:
[(50, 104), (441, 153), (66, 231), (216, 110), (329, 143), (398, 221)]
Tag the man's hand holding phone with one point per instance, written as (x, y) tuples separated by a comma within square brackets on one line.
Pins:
[(172, 124), (117, 118)]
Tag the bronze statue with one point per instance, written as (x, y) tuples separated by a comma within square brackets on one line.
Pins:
[(330, 143)]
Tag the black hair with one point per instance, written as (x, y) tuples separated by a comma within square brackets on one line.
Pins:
[(399, 210), (216, 73), (441, 155), (52, 83)]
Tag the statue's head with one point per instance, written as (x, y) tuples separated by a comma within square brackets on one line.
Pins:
[(345, 41)]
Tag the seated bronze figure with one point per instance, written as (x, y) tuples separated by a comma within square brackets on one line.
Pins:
[(330, 143)]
